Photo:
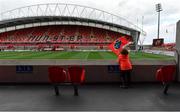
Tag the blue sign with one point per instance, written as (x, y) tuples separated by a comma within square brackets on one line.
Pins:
[(24, 69), (113, 69)]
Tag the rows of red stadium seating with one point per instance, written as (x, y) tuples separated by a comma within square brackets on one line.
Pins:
[(64, 35), (88, 34)]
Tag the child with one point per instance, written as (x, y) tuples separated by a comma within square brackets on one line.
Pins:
[(125, 67)]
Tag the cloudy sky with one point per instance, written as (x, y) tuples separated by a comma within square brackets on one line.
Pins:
[(139, 12)]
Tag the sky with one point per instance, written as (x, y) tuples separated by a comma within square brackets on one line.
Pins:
[(139, 12)]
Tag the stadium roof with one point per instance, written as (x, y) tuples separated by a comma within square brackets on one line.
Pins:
[(57, 12)]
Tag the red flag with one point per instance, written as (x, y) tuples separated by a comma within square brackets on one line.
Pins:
[(117, 45)]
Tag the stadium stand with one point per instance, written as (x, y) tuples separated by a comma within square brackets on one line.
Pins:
[(57, 36)]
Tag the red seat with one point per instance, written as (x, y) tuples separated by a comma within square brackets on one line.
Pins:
[(77, 76), (56, 75), (165, 73)]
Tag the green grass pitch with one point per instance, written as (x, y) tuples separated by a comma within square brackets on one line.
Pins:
[(77, 55)]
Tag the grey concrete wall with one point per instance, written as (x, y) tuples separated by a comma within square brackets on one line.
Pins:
[(96, 73), (178, 47)]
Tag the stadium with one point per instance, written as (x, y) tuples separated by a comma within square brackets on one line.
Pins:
[(77, 26), (36, 37), (63, 27)]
